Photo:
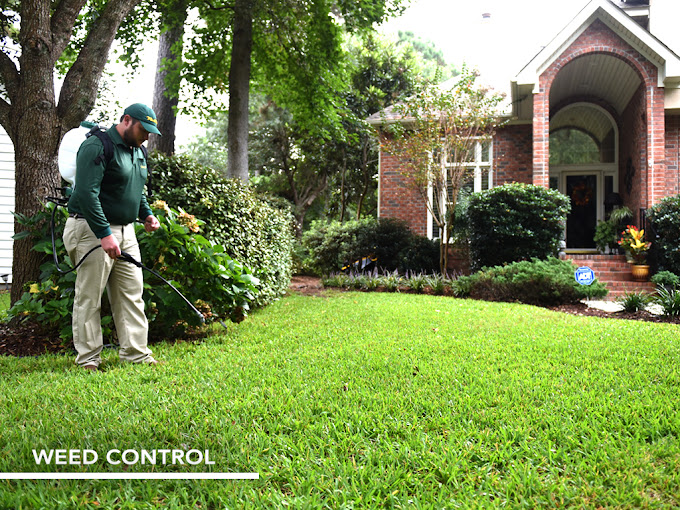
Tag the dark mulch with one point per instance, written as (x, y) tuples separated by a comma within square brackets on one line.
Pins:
[(28, 339), (31, 340)]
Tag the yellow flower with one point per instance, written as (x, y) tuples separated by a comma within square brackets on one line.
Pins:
[(189, 221), (34, 288), (161, 205)]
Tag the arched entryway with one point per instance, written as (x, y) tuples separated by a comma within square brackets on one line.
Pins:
[(595, 105), (584, 166)]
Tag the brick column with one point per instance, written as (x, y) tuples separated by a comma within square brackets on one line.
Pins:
[(656, 150), (541, 145)]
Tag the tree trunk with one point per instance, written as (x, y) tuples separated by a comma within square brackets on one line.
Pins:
[(239, 89), (167, 81), (33, 119)]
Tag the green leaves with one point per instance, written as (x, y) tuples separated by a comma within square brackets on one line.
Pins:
[(247, 227), (515, 222)]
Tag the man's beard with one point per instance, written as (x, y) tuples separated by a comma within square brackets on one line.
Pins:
[(129, 139)]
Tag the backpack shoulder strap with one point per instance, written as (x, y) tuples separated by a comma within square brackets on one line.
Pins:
[(107, 156)]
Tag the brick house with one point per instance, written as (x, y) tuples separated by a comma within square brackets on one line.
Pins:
[(595, 114)]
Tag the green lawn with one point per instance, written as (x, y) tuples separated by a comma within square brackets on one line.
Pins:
[(368, 400)]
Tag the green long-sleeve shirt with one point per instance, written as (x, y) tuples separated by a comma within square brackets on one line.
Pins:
[(113, 195)]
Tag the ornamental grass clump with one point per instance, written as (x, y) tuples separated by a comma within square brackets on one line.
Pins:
[(669, 301), (632, 302)]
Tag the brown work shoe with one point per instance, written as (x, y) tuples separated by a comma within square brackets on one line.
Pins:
[(91, 368), (155, 362)]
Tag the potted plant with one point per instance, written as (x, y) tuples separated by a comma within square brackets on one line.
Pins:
[(633, 241), (607, 232)]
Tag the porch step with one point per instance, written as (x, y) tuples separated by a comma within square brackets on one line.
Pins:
[(613, 271)]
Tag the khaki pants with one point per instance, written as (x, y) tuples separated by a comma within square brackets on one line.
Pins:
[(124, 283)]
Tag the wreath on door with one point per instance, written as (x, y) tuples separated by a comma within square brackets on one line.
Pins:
[(581, 194)]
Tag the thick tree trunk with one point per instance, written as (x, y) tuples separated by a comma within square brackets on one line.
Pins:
[(239, 89), (167, 80), (33, 119)]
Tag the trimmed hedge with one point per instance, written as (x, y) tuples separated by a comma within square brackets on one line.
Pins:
[(665, 221), (253, 230), (515, 222), (547, 282)]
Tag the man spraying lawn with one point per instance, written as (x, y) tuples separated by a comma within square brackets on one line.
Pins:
[(107, 198)]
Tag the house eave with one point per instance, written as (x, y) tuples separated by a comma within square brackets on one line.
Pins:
[(666, 61)]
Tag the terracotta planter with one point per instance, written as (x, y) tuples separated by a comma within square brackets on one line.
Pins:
[(640, 272)]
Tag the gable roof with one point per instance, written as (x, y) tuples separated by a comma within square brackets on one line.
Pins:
[(666, 61)]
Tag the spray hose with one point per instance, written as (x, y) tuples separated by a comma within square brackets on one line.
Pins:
[(123, 256)]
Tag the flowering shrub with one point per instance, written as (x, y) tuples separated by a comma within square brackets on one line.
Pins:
[(217, 285), (632, 240)]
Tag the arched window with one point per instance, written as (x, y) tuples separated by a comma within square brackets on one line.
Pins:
[(573, 147)]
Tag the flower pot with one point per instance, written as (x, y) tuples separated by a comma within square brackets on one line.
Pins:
[(640, 272)]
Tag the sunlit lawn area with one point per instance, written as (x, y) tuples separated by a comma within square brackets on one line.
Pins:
[(365, 400)]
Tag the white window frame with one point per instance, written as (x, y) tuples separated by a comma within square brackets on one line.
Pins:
[(478, 167)]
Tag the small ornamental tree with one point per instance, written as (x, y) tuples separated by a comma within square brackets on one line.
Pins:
[(435, 140)]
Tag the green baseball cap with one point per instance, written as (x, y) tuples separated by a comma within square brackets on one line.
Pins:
[(145, 115)]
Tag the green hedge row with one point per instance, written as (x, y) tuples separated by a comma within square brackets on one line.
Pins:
[(255, 231)]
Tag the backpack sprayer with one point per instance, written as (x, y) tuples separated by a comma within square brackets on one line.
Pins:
[(68, 151)]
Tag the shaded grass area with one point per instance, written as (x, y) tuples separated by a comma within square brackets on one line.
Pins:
[(368, 401)]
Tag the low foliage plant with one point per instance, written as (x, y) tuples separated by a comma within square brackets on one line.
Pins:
[(546, 282), (220, 287)]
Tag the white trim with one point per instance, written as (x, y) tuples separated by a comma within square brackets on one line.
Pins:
[(666, 61)]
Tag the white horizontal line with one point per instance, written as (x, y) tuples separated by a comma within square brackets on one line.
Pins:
[(129, 476)]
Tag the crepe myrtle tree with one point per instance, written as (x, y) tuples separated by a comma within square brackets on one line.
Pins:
[(435, 139)]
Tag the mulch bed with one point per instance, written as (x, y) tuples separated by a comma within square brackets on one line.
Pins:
[(28, 339)]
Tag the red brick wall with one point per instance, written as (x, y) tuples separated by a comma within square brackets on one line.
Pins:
[(398, 198), (598, 38), (512, 156), (633, 151), (672, 154)]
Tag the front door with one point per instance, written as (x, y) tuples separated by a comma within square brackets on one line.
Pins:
[(582, 220)]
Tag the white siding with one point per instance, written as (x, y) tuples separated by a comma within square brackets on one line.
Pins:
[(6, 204)]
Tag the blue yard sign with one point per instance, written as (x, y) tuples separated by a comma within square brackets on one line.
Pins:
[(584, 275)]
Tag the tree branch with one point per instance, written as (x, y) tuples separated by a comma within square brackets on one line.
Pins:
[(5, 114), (9, 75), (61, 24), (79, 91), (218, 8)]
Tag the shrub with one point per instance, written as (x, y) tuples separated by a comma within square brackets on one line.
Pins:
[(420, 254), (334, 246), (666, 279), (49, 301), (217, 285), (547, 282), (515, 222), (253, 229), (199, 269), (665, 222)]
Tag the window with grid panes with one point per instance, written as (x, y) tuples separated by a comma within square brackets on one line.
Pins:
[(479, 176)]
